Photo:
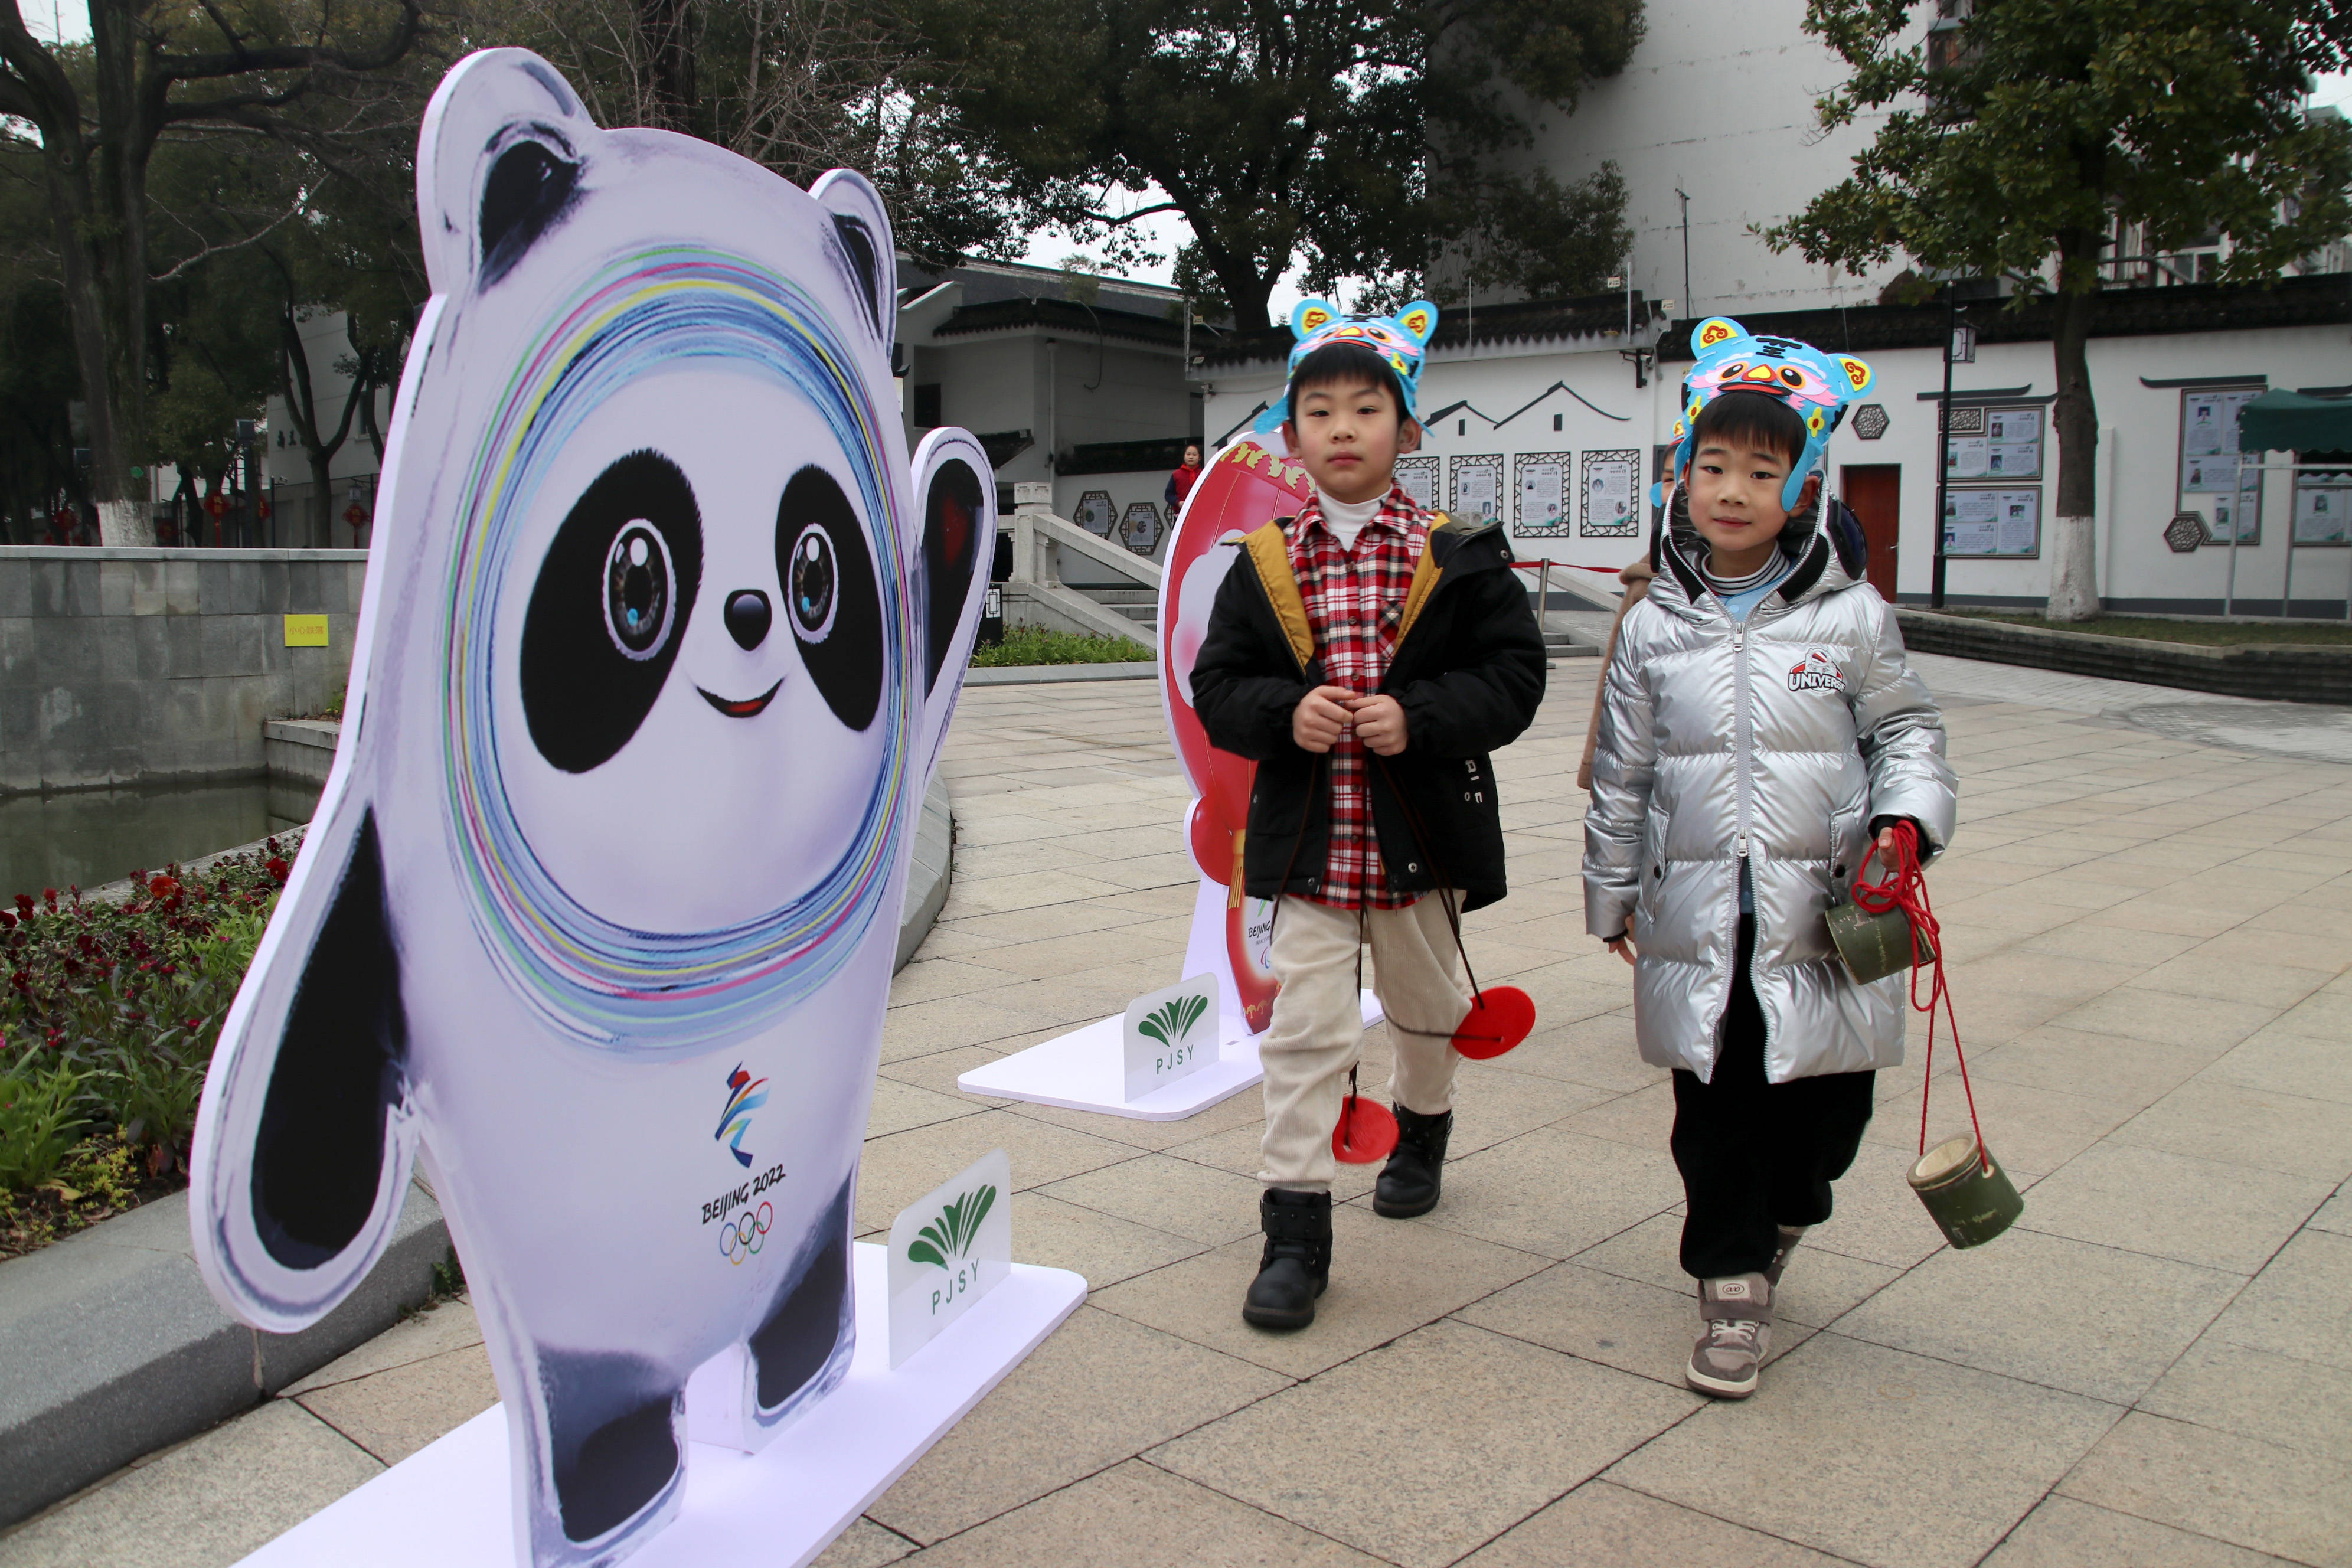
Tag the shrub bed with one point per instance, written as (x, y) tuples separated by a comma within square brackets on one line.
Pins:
[(108, 1015), (1035, 645)]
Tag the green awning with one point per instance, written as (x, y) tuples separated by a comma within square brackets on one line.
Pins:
[(2290, 422)]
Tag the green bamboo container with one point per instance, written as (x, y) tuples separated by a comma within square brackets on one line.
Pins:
[(1969, 1195), (1873, 947)]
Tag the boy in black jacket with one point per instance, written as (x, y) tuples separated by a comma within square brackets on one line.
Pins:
[(1367, 657)]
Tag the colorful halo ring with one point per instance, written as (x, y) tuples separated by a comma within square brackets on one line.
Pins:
[(647, 992)]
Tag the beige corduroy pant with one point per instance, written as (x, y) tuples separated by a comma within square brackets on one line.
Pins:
[(1317, 1033)]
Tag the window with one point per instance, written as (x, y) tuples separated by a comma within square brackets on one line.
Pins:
[(927, 404)]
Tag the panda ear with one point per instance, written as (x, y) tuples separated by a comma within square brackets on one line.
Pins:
[(958, 547), (498, 165), (860, 245)]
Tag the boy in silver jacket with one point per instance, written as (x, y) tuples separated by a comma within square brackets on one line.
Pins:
[(1759, 726)]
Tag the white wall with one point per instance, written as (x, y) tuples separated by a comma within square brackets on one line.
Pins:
[(1102, 391), (1719, 102), (2137, 465), (1110, 393), (1511, 413), (326, 341)]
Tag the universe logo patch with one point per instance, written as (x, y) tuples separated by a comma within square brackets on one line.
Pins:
[(1817, 671)]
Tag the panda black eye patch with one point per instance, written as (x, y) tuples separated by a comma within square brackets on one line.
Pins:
[(609, 609), (831, 599)]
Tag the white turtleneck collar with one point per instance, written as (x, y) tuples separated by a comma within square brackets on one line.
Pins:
[(1346, 519)]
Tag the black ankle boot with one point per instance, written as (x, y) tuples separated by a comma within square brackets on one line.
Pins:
[(1296, 1264), (1408, 1182)]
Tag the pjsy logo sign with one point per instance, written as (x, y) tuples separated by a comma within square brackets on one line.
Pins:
[(1165, 1039), (948, 1249), (946, 1244), (1817, 671), (1171, 1025)]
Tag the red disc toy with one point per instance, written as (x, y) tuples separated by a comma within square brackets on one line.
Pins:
[(1366, 1132), (1500, 1017)]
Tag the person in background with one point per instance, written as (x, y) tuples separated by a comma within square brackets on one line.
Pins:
[(1181, 481)]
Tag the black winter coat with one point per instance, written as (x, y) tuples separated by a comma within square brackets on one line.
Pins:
[(1468, 670)]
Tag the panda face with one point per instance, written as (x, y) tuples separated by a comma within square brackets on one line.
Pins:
[(701, 664)]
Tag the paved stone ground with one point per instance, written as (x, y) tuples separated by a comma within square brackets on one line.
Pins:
[(2150, 936)]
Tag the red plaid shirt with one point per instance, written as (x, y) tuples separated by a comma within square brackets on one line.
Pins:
[(1355, 601)]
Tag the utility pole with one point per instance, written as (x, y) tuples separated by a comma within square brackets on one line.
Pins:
[(1690, 306), (1952, 351)]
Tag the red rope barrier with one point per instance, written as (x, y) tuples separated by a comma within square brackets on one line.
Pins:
[(1570, 565), (1905, 887)]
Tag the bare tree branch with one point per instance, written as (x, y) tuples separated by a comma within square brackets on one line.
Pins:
[(298, 208)]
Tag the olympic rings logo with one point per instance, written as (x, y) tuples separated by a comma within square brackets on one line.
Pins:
[(741, 1238)]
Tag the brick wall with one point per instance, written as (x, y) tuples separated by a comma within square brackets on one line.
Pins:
[(122, 666)]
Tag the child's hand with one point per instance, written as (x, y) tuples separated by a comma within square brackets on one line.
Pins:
[(1321, 718), (1622, 946), (1380, 724)]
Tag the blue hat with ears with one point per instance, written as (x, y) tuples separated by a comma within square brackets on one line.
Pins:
[(1398, 340), (1730, 358)]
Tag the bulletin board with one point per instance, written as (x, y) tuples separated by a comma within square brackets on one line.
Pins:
[(2323, 501), (2214, 479), (1985, 523), (1419, 478), (1986, 446), (1477, 487), (1542, 481), (1609, 496)]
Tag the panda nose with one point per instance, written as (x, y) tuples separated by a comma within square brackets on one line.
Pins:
[(747, 617)]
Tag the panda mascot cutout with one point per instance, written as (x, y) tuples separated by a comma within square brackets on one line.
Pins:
[(661, 637)]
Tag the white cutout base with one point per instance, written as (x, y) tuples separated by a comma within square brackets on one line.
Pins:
[(451, 1504), (1086, 1069)]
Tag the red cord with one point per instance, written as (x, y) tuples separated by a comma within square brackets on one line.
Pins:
[(1906, 889)]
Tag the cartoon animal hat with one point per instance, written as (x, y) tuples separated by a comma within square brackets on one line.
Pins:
[(1730, 358), (1399, 340)]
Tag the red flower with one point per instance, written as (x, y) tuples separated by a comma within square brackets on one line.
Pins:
[(194, 1023), (25, 903), (165, 889), (49, 896), (7, 920), (277, 868)]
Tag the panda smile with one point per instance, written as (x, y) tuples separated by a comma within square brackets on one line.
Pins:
[(745, 708)]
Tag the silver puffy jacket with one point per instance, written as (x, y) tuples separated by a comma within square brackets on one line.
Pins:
[(1778, 740)]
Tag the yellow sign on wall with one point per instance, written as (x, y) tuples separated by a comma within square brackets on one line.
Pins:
[(306, 631)]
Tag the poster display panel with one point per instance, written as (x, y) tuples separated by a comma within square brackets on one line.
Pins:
[(1606, 494), (1543, 480), (1477, 487), (1993, 444), (1097, 513), (2216, 479), (1992, 523), (1419, 478), (2322, 506)]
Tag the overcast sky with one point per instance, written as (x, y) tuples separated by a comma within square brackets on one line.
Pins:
[(55, 19)]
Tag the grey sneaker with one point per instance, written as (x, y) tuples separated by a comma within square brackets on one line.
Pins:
[(1737, 1313), (1790, 1235)]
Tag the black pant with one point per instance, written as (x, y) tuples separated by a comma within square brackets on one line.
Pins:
[(1756, 1155)]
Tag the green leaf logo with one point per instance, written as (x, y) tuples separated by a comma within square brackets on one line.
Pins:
[(953, 1232), (1174, 1021)]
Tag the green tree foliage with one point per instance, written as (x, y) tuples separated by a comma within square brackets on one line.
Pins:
[(97, 114), (1367, 142), (2017, 147)]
